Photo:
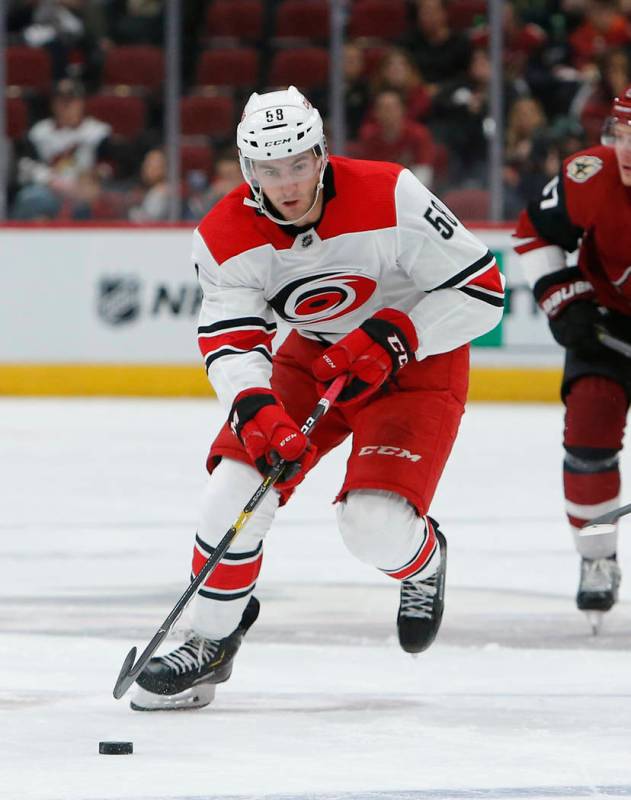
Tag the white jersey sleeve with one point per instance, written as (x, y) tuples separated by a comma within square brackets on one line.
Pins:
[(236, 327), (465, 289)]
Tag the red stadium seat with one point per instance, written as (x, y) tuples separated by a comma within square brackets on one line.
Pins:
[(307, 19), (381, 19), (126, 114), (207, 116), (140, 66), (196, 157), (29, 68), (372, 59), (237, 67), (239, 19), (17, 117), (468, 204), (307, 68), (463, 13)]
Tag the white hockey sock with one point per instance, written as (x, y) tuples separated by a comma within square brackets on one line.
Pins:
[(220, 602)]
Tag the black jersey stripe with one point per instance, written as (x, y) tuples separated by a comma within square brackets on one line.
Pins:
[(228, 556), (486, 259), (238, 322), (486, 298), (231, 351)]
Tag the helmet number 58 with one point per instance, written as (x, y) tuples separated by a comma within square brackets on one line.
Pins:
[(272, 116)]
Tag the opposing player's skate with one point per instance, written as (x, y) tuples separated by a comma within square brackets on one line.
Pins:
[(598, 588), (186, 677), (421, 606)]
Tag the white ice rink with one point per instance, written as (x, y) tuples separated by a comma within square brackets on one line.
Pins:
[(515, 700)]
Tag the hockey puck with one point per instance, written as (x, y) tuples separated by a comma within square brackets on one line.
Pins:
[(116, 748)]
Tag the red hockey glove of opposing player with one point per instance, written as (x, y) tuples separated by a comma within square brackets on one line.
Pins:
[(369, 355), (268, 434)]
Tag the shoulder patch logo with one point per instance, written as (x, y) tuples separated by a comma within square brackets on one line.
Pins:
[(582, 168)]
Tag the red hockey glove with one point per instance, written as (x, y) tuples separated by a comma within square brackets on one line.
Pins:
[(568, 300), (369, 355), (268, 434)]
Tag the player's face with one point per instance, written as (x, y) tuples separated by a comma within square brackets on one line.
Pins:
[(290, 183), (622, 134)]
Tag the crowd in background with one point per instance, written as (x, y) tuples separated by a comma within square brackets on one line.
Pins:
[(85, 94)]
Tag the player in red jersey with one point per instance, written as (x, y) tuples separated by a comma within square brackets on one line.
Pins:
[(588, 207), (378, 282)]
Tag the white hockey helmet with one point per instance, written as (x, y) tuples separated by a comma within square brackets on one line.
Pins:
[(278, 125)]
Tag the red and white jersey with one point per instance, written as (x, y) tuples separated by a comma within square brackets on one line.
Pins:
[(383, 240), (587, 207)]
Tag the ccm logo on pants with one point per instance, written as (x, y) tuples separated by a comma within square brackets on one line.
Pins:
[(387, 450)]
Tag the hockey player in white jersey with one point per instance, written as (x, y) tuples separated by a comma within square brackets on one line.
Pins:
[(379, 282)]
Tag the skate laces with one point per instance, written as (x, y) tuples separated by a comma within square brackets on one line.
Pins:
[(599, 575), (417, 597), (192, 655)]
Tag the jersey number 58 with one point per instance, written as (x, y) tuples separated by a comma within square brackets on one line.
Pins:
[(439, 218)]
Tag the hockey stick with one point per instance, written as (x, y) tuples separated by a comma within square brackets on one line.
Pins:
[(606, 523), (131, 668), (613, 343)]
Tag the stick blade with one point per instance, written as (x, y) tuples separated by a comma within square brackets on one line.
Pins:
[(125, 677), (597, 529)]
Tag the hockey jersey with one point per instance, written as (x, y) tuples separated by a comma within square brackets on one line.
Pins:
[(383, 240), (587, 207)]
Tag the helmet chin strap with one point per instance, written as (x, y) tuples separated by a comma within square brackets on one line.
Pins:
[(259, 203)]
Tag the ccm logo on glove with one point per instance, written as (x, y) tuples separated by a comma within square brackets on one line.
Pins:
[(369, 355), (259, 420)]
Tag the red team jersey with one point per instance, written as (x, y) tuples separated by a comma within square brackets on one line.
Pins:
[(586, 206)]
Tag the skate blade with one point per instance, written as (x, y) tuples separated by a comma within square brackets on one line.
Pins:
[(195, 697), (602, 529), (595, 619)]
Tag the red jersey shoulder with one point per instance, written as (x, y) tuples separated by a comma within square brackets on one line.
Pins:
[(228, 229), (364, 197), (588, 176)]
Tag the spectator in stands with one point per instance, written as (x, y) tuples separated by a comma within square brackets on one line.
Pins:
[(357, 93), (202, 196), (394, 137), (64, 28), (526, 120), (150, 200), (136, 21), (441, 53), (604, 27), (398, 71), (592, 104), (460, 120), (57, 151)]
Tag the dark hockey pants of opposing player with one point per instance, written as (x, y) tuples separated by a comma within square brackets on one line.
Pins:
[(401, 439)]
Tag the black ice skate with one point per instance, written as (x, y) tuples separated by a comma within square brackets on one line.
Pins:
[(186, 677), (421, 606), (598, 588)]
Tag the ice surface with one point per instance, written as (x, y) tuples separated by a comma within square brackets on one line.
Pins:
[(515, 700)]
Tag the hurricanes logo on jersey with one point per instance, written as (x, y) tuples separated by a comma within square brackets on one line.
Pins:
[(323, 297), (582, 168)]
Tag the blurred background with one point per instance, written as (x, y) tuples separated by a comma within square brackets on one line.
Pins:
[(415, 80), (123, 113)]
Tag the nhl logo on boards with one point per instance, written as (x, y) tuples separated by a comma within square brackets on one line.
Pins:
[(307, 240), (582, 168), (118, 300)]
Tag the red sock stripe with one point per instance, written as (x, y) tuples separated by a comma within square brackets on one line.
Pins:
[(420, 560), (575, 522), (591, 488), (229, 575)]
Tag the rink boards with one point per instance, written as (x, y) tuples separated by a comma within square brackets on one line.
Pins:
[(111, 310)]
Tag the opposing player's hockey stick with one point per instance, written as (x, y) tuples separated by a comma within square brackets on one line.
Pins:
[(606, 523), (131, 668)]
